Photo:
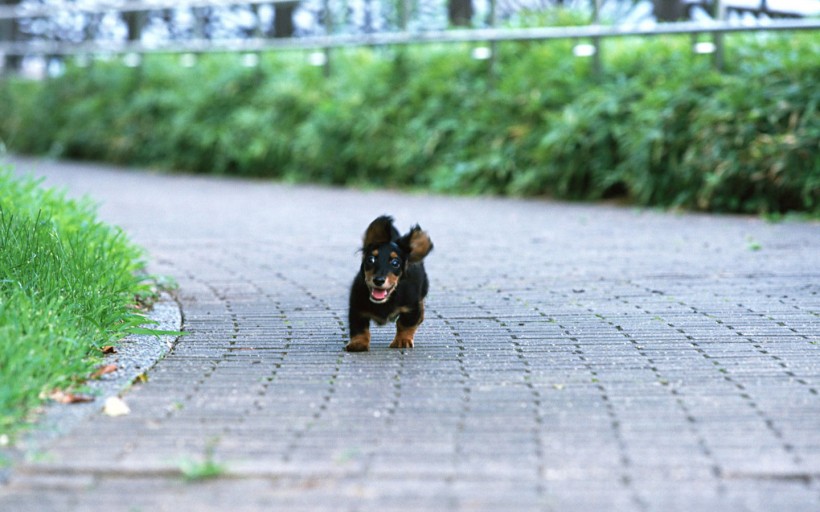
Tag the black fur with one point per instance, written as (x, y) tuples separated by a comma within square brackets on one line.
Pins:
[(391, 283)]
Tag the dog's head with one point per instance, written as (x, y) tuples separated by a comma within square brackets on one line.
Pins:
[(386, 255)]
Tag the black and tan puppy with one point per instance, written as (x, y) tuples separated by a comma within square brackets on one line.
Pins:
[(391, 284)]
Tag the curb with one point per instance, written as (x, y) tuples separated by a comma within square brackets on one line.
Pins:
[(135, 356)]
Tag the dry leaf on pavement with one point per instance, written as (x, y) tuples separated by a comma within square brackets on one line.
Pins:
[(64, 397), (102, 370)]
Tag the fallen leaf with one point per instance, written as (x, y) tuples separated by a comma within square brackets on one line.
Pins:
[(102, 370), (109, 349), (115, 406), (141, 378), (64, 397)]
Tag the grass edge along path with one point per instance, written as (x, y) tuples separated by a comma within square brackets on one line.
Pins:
[(69, 285)]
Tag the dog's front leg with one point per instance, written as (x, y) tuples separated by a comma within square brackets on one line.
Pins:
[(359, 334), (406, 327)]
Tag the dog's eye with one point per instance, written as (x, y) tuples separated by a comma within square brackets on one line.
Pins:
[(371, 260), (395, 262)]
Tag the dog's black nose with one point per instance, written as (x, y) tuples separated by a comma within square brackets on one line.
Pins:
[(378, 281)]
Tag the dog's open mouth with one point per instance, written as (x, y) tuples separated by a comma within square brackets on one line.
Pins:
[(380, 295)]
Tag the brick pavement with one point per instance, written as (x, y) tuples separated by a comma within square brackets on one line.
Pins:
[(573, 358)]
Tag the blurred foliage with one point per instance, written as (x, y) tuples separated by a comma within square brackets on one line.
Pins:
[(659, 127)]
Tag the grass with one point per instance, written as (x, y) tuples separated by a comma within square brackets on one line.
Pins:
[(205, 469), (68, 286)]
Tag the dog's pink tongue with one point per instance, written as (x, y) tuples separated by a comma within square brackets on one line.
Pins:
[(379, 294)]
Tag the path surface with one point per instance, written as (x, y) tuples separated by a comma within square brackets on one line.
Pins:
[(573, 358)]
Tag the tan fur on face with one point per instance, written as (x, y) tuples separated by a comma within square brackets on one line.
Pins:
[(390, 280)]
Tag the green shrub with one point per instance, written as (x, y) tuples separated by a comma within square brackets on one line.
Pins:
[(660, 126), (756, 145)]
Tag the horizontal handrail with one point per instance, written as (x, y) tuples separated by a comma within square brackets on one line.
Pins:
[(488, 35), (39, 11)]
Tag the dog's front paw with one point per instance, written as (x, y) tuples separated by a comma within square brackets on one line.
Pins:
[(402, 342), (359, 343)]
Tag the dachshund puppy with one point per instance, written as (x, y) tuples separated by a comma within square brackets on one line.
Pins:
[(391, 284)]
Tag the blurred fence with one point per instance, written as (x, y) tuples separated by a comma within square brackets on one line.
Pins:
[(200, 26)]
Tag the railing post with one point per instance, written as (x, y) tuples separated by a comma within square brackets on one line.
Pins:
[(720, 15), (460, 13), (493, 43), (329, 32), (134, 20), (403, 15), (596, 41), (283, 19), (9, 32)]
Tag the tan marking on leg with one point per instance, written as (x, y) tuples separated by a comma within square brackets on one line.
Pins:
[(359, 343), (404, 336)]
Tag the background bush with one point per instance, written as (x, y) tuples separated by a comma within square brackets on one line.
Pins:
[(659, 127)]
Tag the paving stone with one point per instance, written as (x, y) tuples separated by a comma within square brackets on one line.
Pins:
[(573, 357)]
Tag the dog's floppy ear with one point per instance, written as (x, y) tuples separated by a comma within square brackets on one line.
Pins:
[(380, 231), (416, 243)]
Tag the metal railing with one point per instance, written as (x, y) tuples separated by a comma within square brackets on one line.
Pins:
[(488, 35), (102, 7), (594, 32)]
